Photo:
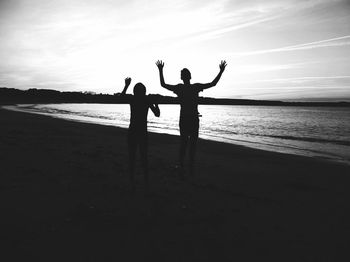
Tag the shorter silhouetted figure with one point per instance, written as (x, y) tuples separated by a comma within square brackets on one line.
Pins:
[(137, 133), (189, 116)]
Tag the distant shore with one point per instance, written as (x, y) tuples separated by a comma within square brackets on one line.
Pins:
[(65, 197), (33, 96)]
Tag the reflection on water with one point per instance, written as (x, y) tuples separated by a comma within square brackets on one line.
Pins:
[(312, 131)]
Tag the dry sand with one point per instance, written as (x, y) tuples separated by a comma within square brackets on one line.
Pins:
[(64, 197)]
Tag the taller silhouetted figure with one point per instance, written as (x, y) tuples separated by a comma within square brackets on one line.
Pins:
[(137, 133), (189, 116)]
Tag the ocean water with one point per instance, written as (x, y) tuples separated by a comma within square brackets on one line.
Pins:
[(322, 132)]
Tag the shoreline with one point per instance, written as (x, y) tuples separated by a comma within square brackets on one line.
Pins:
[(323, 156), (65, 196), (54, 96)]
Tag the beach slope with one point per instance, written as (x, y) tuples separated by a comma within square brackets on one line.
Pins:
[(64, 196)]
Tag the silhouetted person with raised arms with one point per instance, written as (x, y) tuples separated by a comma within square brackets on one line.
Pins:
[(137, 133), (189, 116)]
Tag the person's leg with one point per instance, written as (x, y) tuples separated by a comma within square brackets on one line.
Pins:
[(193, 145), (144, 157), (183, 142), (182, 152), (132, 145)]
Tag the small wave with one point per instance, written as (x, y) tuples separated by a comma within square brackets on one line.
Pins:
[(295, 138), (311, 139), (51, 110), (282, 148)]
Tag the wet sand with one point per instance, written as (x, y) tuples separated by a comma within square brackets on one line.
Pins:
[(64, 196)]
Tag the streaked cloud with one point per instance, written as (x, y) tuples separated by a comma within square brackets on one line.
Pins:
[(332, 42), (300, 79), (94, 44)]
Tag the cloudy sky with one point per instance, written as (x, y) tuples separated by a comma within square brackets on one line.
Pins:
[(275, 49)]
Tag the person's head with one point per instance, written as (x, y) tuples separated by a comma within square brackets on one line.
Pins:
[(139, 90), (185, 75)]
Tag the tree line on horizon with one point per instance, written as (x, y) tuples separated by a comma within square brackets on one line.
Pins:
[(34, 95)]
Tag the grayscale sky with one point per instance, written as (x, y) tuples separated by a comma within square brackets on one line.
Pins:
[(275, 49)]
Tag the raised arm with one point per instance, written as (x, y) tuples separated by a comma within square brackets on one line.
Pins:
[(222, 66), (127, 83), (160, 65)]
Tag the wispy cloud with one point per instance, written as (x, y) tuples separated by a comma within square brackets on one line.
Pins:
[(332, 42), (298, 79), (337, 92), (238, 26), (92, 44), (263, 68)]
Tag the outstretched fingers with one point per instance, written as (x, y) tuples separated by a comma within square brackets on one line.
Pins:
[(222, 65), (160, 64)]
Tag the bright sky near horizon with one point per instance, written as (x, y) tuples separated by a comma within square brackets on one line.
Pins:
[(275, 49)]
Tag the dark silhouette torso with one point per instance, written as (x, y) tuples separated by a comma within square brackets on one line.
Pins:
[(188, 98), (139, 111)]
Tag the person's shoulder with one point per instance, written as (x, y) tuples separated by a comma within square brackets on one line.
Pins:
[(127, 98), (180, 85), (151, 96), (178, 88), (151, 99), (198, 87)]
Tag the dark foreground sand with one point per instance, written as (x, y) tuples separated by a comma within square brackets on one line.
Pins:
[(64, 197)]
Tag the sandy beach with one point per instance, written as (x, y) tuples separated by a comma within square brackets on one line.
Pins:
[(64, 196)]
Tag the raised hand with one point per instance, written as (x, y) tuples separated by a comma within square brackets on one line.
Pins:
[(222, 65), (127, 81), (160, 64)]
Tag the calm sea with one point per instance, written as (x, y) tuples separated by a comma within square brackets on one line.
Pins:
[(322, 132)]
